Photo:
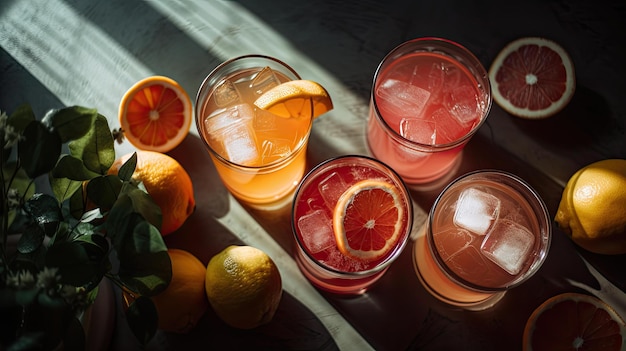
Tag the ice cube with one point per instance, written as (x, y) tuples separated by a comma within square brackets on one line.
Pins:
[(263, 81), (275, 149), (227, 94), (451, 241), (240, 144), (316, 231), (403, 98), (463, 104), (447, 128), (476, 211), (331, 189), (229, 116), (508, 245), (419, 130)]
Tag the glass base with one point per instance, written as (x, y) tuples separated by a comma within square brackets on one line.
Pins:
[(465, 298)]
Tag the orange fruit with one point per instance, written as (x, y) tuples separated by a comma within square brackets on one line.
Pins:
[(532, 78), (155, 114), (181, 305), (167, 182), (573, 321), (368, 220), (294, 99), (243, 286)]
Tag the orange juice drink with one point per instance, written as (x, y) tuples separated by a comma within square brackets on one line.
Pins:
[(351, 218), (487, 232), (259, 156), (429, 97)]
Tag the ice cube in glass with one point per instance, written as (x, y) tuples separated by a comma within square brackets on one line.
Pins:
[(317, 233), (508, 245), (476, 210)]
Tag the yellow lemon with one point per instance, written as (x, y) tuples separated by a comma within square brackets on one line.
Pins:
[(243, 286), (593, 207), (184, 302), (168, 184)]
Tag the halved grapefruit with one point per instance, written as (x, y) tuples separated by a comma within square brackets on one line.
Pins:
[(573, 321), (155, 114), (532, 78)]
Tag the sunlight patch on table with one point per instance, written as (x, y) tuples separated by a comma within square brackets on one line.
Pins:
[(78, 56)]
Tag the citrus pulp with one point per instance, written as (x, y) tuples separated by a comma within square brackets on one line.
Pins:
[(295, 98), (155, 114), (532, 78), (367, 220), (573, 321)]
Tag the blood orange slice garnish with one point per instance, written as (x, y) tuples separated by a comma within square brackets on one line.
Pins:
[(532, 78), (573, 321), (368, 220), (155, 114), (295, 98)]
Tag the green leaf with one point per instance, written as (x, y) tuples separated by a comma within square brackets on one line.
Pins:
[(96, 147), (145, 265), (31, 239), (45, 211), (142, 318), (21, 117), (72, 168), (143, 204), (71, 122), (104, 190), (39, 150), (81, 263), (64, 188), (128, 168)]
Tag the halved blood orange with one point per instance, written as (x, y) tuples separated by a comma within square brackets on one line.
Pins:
[(532, 78), (294, 99), (573, 321), (368, 220), (155, 114)]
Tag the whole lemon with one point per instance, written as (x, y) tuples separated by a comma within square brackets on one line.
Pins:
[(593, 207), (167, 182), (184, 302), (243, 286)]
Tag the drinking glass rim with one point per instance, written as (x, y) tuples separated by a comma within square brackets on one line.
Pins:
[(206, 85), (545, 218), (409, 209), (483, 73)]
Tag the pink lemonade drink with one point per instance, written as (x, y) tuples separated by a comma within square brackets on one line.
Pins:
[(429, 97), (259, 156), (356, 184), (487, 232)]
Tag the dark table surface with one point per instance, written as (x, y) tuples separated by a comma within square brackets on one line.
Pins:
[(58, 53)]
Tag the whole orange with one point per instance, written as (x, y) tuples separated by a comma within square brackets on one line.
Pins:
[(167, 182)]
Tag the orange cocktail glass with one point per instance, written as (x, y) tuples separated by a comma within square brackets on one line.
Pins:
[(260, 157)]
